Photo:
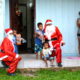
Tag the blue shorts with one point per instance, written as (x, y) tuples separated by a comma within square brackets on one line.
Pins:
[(38, 48), (47, 57)]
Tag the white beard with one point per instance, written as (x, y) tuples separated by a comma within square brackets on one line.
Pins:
[(10, 37), (49, 31)]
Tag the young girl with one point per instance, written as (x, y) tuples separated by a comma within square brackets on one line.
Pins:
[(46, 52)]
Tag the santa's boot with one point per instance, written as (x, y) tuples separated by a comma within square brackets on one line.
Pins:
[(59, 65), (4, 64)]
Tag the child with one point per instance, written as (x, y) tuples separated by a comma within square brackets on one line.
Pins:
[(46, 52), (39, 39), (17, 40)]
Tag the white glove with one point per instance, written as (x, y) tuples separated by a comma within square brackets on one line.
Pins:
[(51, 49), (17, 55)]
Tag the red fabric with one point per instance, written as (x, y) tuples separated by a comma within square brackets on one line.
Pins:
[(56, 44), (8, 29), (48, 20), (57, 34), (58, 54), (12, 63), (8, 47)]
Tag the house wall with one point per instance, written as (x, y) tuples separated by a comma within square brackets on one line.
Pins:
[(7, 14), (4, 17), (64, 14), (2, 7)]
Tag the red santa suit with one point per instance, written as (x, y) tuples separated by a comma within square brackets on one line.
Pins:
[(7, 53), (54, 37)]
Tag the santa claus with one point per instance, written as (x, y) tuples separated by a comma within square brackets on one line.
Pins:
[(7, 53), (54, 37)]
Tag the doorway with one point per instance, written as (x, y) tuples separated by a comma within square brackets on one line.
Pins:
[(22, 19)]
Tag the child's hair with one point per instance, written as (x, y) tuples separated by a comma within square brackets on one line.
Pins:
[(45, 43), (39, 24)]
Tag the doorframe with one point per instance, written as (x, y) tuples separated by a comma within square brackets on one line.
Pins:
[(13, 14)]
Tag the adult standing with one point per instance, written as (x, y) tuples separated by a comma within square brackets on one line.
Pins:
[(78, 33)]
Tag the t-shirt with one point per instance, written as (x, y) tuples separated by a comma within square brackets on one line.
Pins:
[(46, 51), (38, 40), (41, 33)]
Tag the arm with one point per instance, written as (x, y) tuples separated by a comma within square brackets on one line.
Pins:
[(60, 38), (42, 53)]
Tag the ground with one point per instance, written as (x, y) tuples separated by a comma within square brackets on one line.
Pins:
[(42, 74), (29, 61), (69, 71)]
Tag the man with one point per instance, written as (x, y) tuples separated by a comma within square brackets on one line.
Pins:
[(7, 53), (54, 37)]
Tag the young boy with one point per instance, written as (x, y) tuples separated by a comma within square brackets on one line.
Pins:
[(39, 39)]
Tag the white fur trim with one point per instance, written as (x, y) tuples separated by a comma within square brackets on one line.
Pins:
[(49, 23), (3, 57), (62, 41), (17, 55), (9, 32), (49, 31)]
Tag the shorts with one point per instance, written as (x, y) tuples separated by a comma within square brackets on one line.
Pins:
[(38, 48), (48, 58), (43, 57), (51, 58)]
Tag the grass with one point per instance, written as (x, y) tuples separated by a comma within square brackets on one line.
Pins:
[(43, 74)]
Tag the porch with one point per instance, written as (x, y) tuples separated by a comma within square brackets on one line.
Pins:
[(29, 61)]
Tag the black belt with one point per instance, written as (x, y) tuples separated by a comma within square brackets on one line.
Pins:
[(53, 39), (2, 51)]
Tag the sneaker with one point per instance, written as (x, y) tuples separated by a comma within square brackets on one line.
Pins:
[(59, 65)]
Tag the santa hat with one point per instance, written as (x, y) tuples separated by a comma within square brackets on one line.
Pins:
[(48, 21), (8, 30)]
